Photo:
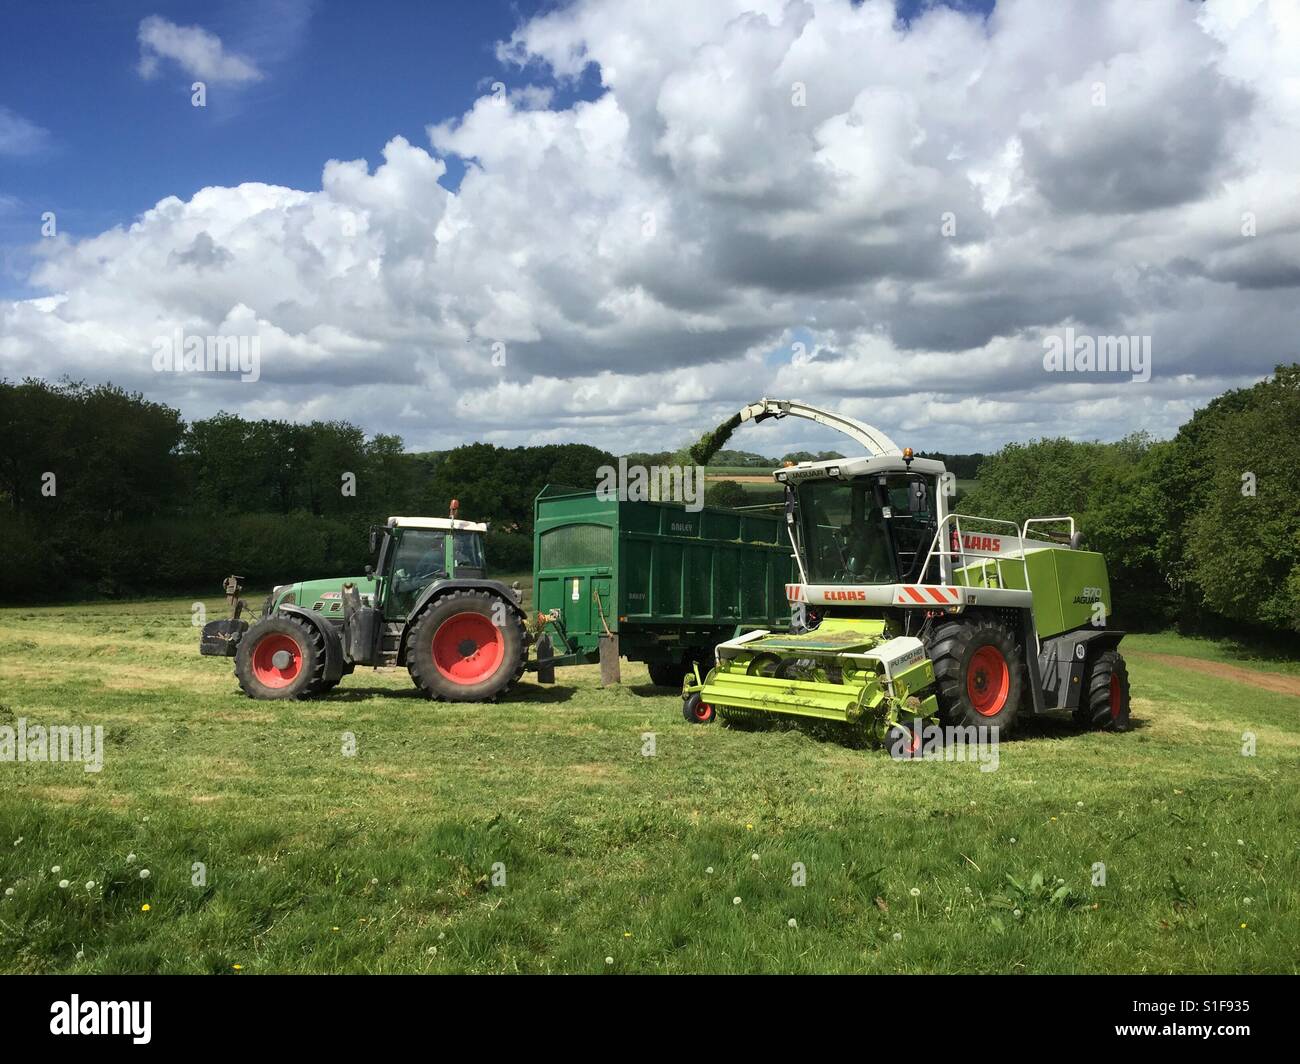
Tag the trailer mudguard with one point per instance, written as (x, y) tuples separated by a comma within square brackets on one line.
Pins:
[(329, 632), (1063, 659)]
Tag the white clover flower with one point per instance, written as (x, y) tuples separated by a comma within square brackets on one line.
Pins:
[(63, 884), (130, 858), (609, 960), (56, 870), (753, 857), (1013, 840), (1017, 913), (1078, 805), (144, 873), (9, 892), (792, 922), (709, 871), (81, 954), (90, 884), (735, 901), (898, 936)]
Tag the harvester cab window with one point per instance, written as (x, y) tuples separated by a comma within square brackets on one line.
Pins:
[(911, 522), (844, 533)]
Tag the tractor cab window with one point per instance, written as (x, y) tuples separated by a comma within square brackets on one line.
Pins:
[(873, 530), (467, 551), (419, 557)]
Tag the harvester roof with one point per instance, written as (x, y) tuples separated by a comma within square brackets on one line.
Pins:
[(846, 468)]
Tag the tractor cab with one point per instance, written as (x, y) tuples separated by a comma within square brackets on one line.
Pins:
[(865, 520), (410, 553)]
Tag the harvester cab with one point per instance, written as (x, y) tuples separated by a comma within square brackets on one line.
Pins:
[(906, 611), (424, 602)]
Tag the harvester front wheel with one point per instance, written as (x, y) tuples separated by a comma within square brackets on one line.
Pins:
[(1104, 703), (280, 658), (467, 647), (978, 671), (696, 711)]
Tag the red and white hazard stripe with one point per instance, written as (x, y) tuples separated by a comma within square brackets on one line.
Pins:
[(928, 595), (794, 593)]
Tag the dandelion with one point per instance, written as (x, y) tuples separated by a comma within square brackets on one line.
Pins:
[(144, 873), (1017, 913), (627, 934), (1013, 840), (373, 882), (1241, 842), (333, 928), (1078, 805), (130, 858), (145, 819), (1245, 901), (9, 892), (709, 871), (1243, 927), (432, 951), (749, 827), (915, 892), (898, 936), (609, 960), (442, 934), (63, 884), (735, 901), (972, 803), (753, 857), (81, 954), (145, 907), (792, 922), (90, 884), (56, 870)]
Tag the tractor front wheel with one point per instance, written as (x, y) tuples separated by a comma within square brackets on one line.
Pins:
[(978, 671), (1104, 702), (280, 658), (469, 646)]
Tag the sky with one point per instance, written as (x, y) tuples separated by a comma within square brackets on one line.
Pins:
[(617, 223)]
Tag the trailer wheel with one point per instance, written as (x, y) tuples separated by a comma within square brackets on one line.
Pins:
[(468, 646), (1104, 703), (280, 658), (696, 711), (978, 670), (667, 673)]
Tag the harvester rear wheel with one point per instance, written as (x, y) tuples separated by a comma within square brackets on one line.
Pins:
[(1104, 703), (280, 658), (978, 670), (467, 647)]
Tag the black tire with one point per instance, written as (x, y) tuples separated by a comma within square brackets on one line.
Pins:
[(481, 623), (1104, 702), (978, 672), (696, 711), (667, 673), (255, 662)]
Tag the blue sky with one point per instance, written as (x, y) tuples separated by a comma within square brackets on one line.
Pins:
[(651, 235), (340, 80)]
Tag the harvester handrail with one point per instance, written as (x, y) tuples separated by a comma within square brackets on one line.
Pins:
[(1024, 532), (960, 552)]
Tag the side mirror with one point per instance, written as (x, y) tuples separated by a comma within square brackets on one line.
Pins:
[(917, 497), (370, 572), (374, 540)]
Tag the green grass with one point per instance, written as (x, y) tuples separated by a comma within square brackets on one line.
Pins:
[(382, 862)]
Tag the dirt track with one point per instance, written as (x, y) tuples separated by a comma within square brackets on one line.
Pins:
[(1269, 681)]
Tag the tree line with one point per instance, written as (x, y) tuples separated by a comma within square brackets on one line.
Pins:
[(105, 492)]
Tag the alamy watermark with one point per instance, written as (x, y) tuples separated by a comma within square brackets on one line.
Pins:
[(179, 352), (1071, 353), (59, 742), (938, 742), (636, 483)]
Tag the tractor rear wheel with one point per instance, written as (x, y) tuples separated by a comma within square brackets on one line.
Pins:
[(1104, 702), (978, 670), (280, 658), (469, 646)]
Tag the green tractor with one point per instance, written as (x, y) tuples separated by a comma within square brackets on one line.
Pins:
[(425, 603), (905, 612)]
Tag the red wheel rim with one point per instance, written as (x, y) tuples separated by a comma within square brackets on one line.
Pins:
[(703, 711), (264, 668), (468, 648), (915, 744), (1116, 697), (987, 681)]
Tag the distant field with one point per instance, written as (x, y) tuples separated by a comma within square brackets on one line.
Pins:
[(614, 861)]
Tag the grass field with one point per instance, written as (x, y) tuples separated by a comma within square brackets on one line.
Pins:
[(614, 861)]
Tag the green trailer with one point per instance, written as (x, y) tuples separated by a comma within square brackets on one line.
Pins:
[(651, 581)]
